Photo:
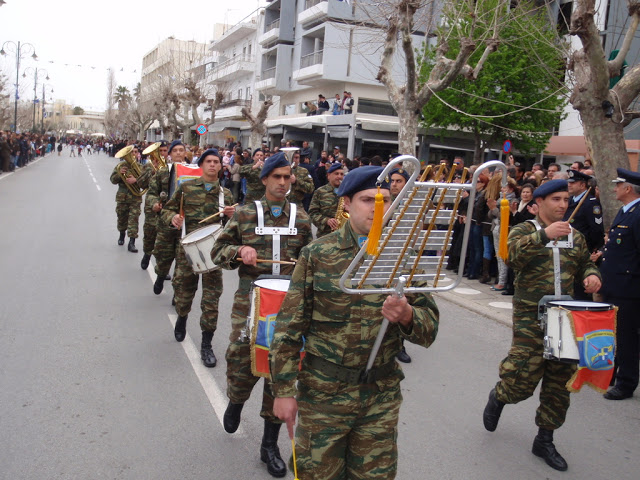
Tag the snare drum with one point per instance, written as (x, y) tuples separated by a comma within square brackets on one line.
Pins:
[(197, 248), (559, 338)]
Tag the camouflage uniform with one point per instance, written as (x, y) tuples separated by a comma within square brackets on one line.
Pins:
[(255, 187), (127, 204), (525, 366), (150, 217), (345, 429), (241, 231), (324, 206), (302, 187), (198, 204), (166, 243)]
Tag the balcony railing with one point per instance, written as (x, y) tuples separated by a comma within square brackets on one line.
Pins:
[(268, 73), (311, 59), (232, 61), (310, 3), (238, 102), (272, 26)]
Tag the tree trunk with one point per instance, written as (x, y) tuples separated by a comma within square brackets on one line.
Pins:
[(478, 148), (407, 131)]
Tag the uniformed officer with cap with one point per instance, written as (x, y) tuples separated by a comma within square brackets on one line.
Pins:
[(347, 422), (620, 269), (398, 179)]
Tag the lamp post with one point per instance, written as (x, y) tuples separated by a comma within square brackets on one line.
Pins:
[(44, 102), (19, 52), (35, 89)]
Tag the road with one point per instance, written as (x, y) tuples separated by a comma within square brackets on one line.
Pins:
[(93, 385)]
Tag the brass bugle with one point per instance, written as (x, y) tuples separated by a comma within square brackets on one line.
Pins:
[(133, 169), (154, 154)]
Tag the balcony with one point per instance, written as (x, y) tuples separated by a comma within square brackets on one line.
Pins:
[(232, 108), (234, 35), (267, 79), (313, 10), (271, 33), (238, 65), (311, 67)]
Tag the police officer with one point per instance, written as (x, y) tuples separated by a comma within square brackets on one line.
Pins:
[(200, 198), (347, 423), (239, 246), (620, 269), (532, 260), (324, 203), (127, 204)]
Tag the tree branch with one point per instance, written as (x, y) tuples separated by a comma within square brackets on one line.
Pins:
[(615, 65)]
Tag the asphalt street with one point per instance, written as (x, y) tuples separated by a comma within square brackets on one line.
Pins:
[(94, 386)]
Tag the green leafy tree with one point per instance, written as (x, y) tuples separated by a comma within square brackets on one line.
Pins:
[(518, 95), (78, 111)]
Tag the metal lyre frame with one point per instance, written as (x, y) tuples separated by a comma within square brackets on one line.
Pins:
[(396, 272)]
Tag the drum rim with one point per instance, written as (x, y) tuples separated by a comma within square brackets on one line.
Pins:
[(257, 284), (188, 239), (580, 305)]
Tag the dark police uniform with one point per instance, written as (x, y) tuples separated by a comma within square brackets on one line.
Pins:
[(588, 220)]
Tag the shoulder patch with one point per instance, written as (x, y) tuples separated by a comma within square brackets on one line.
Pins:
[(597, 210)]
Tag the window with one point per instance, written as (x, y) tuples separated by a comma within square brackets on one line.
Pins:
[(376, 107), (249, 49), (289, 109), (248, 96), (239, 94)]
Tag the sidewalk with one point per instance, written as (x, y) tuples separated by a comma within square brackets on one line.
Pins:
[(479, 298)]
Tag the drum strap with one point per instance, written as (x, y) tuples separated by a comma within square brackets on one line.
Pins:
[(276, 232), (557, 273)]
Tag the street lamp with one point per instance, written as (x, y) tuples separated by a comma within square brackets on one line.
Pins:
[(35, 88), (18, 49), (44, 102)]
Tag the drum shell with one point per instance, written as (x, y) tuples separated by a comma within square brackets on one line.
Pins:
[(197, 248)]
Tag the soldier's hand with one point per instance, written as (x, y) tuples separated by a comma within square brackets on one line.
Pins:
[(333, 223), (176, 221), (592, 284), (123, 170), (558, 229), (286, 409), (248, 255), (293, 179), (229, 211), (156, 207), (131, 180), (397, 309)]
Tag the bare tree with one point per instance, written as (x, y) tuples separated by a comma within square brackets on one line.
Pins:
[(604, 111), (258, 128), (6, 112)]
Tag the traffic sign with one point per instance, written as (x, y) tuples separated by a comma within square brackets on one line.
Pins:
[(506, 146), (201, 129)]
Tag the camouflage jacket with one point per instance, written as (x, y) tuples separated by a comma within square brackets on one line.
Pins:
[(158, 183), (255, 188), (336, 326), (197, 204), (323, 207), (303, 185), (240, 230), (532, 262), (123, 194), (147, 174)]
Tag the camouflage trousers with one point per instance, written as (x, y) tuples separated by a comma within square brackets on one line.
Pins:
[(240, 380), (128, 213), (525, 366), (149, 232), (185, 285), (351, 434), (164, 250)]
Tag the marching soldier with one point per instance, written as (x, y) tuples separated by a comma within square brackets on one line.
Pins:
[(127, 205), (324, 203), (251, 172), (301, 182), (347, 421), (239, 246), (525, 366), (199, 199), (167, 236)]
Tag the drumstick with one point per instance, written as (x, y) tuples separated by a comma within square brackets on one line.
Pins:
[(215, 214), (181, 210), (579, 205), (260, 260)]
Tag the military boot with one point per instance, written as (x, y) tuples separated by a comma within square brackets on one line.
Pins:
[(145, 261), (492, 412), (157, 286), (132, 245), (180, 331), (543, 447), (403, 356), (206, 352), (231, 419), (121, 238), (269, 451)]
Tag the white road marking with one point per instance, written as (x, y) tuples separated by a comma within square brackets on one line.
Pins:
[(98, 187), (214, 393), (90, 172), (466, 291), (506, 305)]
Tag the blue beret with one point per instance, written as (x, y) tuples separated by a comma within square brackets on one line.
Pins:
[(361, 178), (577, 176), (175, 143), (400, 171), (627, 176), (274, 161), (334, 166), (211, 151), (552, 186)]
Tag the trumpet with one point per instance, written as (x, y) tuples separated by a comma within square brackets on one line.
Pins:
[(154, 154), (133, 169)]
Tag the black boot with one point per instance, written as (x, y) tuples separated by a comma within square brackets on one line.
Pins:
[(403, 356), (121, 238), (206, 352), (157, 286), (269, 451), (231, 419), (145, 261), (132, 245), (492, 411), (543, 447), (486, 278), (181, 328)]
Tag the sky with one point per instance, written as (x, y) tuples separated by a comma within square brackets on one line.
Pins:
[(77, 41)]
